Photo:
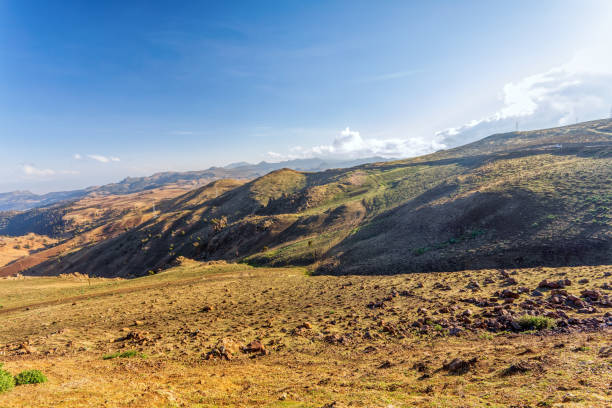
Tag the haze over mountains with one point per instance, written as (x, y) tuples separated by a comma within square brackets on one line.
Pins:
[(24, 200), (509, 200)]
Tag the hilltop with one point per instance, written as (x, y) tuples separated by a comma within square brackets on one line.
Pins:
[(511, 200)]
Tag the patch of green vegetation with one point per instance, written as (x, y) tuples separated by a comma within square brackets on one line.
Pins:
[(6, 380), (485, 336), (125, 354), (536, 323), (30, 377)]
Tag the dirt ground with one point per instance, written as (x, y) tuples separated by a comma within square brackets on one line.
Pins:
[(232, 335)]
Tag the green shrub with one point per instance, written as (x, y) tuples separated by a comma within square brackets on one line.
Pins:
[(30, 377), (536, 322), (6, 380), (125, 354)]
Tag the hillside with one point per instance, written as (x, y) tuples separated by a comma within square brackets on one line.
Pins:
[(513, 200), (25, 200)]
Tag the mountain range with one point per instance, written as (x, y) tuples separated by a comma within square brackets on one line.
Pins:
[(510, 200), (24, 200)]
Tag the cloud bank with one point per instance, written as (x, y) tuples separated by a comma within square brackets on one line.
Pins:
[(350, 144), (579, 90)]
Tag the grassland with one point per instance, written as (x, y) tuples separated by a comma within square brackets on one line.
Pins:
[(329, 340)]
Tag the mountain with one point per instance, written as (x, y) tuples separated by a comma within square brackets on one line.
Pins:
[(24, 200), (510, 200)]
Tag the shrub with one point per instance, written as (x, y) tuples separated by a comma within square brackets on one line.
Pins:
[(125, 354), (536, 322), (6, 380), (30, 377)]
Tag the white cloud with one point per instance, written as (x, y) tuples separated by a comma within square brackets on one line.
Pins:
[(33, 171), (78, 156), (578, 90), (103, 159), (349, 144), (30, 170)]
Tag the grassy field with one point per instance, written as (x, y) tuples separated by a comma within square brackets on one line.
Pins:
[(329, 341)]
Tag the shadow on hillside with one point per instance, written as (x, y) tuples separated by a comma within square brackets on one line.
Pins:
[(484, 230)]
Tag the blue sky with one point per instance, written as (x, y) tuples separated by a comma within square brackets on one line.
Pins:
[(91, 92)]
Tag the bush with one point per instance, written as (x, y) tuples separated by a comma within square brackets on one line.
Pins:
[(536, 322), (125, 354), (30, 377), (6, 380)]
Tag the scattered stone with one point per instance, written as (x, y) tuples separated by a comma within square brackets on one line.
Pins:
[(554, 285), (207, 308)]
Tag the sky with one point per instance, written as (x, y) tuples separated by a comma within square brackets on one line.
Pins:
[(92, 92)]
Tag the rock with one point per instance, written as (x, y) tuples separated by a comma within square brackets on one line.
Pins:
[(368, 335), (421, 367), (515, 325), (571, 398), (536, 293), (511, 281), (422, 310), (334, 404), (379, 304), (554, 285), (605, 352), (473, 285), (225, 348), (207, 308), (508, 294), (335, 339), (459, 366), (583, 281), (305, 325), (386, 364), (255, 347), (590, 294)]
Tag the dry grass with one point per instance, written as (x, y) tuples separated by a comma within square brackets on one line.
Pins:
[(14, 248), (306, 367)]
